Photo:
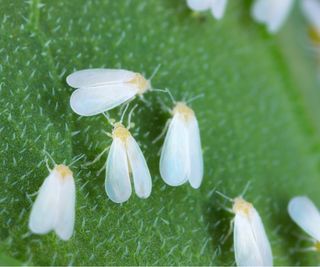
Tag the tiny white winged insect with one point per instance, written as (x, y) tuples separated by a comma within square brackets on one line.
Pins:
[(54, 208), (100, 90), (217, 7), (251, 245), (125, 157), (181, 156), (272, 13), (305, 214)]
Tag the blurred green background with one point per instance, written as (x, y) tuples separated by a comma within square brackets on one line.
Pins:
[(259, 122)]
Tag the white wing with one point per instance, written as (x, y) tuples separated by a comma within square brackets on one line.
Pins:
[(174, 161), (261, 238), (249, 241), (44, 210), (117, 182), (139, 168), (95, 100), (304, 213), (272, 12), (260, 9), (66, 215), (245, 246), (197, 5), (278, 14), (311, 10), (218, 8), (95, 77), (195, 153)]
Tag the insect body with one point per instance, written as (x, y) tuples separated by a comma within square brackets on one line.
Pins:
[(125, 157), (100, 90), (181, 157), (251, 245), (54, 208)]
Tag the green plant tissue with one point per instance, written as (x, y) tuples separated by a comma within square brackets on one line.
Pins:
[(259, 122)]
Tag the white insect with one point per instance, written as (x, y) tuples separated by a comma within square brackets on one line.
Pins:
[(272, 13), (305, 214), (125, 158), (311, 10), (100, 90), (251, 244), (54, 208), (217, 7), (181, 155)]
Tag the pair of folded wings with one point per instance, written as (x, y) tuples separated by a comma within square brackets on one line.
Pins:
[(54, 208), (123, 159), (181, 156), (251, 245), (100, 90)]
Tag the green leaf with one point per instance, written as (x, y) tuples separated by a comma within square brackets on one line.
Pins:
[(259, 123), (8, 261)]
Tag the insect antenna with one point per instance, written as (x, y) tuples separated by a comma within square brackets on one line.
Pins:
[(130, 115), (169, 93), (124, 112), (245, 189), (224, 196), (194, 98), (155, 71), (50, 157), (107, 116), (122, 107), (97, 157)]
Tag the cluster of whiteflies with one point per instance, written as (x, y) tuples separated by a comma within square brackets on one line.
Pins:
[(272, 13), (99, 90)]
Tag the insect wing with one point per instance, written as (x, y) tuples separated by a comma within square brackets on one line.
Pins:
[(66, 211), (139, 168), (195, 153), (92, 101), (98, 77), (174, 161), (117, 182), (304, 213), (251, 245), (44, 209)]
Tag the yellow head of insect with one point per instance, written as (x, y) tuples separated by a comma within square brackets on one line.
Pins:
[(314, 34), (241, 206), (317, 246), (119, 131), (63, 170), (184, 110), (139, 81)]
